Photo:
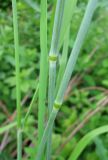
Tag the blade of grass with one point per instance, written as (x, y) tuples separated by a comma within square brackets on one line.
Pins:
[(51, 24), (82, 144), (76, 49), (54, 51), (31, 105), (43, 69), (7, 127), (63, 60), (68, 13), (69, 69), (18, 92)]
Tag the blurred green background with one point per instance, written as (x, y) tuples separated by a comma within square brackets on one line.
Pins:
[(87, 90)]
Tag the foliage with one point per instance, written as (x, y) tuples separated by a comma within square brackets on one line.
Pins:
[(92, 67)]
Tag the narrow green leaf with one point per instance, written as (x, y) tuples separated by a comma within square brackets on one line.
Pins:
[(7, 127), (86, 140), (46, 133), (43, 68), (33, 5), (63, 60), (76, 49), (69, 9), (54, 50), (31, 105), (57, 27)]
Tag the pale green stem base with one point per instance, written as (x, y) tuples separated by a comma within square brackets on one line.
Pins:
[(19, 144)]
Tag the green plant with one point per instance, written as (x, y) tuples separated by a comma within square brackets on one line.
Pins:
[(67, 74), (18, 92), (30, 63), (53, 54)]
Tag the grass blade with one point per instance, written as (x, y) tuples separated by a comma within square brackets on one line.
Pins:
[(54, 50), (43, 69), (63, 60), (69, 9), (71, 63), (76, 49), (46, 133), (33, 5), (7, 127), (31, 105), (18, 92), (81, 145)]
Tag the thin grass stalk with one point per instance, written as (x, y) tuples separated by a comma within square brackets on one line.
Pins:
[(70, 6), (63, 59), (68, 72), (46, 134), (18, 92), (76, 49), (43, 69), (54, 50), (31, 105)]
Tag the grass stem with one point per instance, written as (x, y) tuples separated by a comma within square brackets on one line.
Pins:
[(18, 92), (68, 72), (54, 50), (43, 69)]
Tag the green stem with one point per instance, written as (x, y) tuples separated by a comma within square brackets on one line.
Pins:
[(54, 50), (76, 49), (82, 144), (68, 72), (43, 69), (18, 92), (63, 60)]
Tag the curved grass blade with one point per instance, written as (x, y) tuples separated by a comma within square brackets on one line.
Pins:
[(86, 140)]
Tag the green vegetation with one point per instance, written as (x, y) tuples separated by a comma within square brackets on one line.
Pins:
[(53, 100)]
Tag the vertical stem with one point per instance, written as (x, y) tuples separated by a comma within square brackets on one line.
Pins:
[(18, 92), (68, 72), (63, 59), (43, 68), (46, 133), (52, 64)]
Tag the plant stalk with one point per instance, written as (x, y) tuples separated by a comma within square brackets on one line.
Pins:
[(68, 72), (53, 54), (18, 92), (43, 69)]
